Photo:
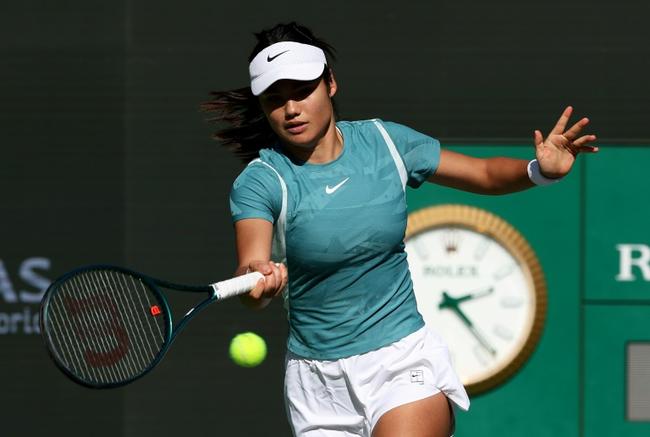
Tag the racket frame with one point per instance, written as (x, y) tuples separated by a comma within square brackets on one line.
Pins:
[(170, 331)]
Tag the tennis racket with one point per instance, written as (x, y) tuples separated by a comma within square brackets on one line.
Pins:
[(106, 326)]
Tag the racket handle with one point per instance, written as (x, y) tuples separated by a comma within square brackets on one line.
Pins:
[(236, 286)]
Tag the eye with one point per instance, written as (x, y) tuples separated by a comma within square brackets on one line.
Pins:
[(273, 100), (304, 90)]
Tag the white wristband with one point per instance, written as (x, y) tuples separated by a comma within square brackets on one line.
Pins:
[(535, 174)]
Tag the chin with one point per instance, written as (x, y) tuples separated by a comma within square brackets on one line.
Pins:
[(302, 140)]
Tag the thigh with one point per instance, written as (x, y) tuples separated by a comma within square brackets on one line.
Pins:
[(428, 417)]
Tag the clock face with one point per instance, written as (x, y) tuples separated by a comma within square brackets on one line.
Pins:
[(479, 294)]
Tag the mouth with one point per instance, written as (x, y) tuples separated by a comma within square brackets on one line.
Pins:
[(296, 128)]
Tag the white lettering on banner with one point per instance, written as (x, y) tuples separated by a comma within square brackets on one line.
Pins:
[(7, 292), (633, 255), (32, 278), (23, 320)]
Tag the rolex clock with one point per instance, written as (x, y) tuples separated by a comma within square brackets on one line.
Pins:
[(479, 284)]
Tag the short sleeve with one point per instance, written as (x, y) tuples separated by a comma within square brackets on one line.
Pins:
[(256, 193), (420, 152)]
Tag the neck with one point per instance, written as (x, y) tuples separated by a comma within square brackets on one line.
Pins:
[(327, 148)]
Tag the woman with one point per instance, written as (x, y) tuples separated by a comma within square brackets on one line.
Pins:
[(328, 198)]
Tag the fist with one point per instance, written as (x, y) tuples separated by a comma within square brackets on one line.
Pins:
[(274, 281)]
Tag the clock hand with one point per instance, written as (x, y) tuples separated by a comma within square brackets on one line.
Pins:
[(452, 303), (482, 340), (475, 295)]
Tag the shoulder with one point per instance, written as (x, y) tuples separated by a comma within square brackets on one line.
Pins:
[(266, 167), (359, 126), (254, 171), (370, 123), (360, 132), (260, 177), (397, 131), (401, 133), (257, 192), (419, 153)]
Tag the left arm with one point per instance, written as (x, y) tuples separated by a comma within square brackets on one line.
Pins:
[(482, 176), (555, 156)]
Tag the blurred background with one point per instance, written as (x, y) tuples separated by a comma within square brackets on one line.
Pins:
[(105, 158)]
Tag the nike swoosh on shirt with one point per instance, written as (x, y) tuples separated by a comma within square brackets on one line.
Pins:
[(330, 190), (269, 58)]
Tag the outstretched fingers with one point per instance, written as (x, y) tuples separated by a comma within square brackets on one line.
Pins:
[(559, 127), (575, 130), (583, 144)]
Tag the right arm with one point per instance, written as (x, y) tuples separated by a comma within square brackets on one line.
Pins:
[(253, 239)]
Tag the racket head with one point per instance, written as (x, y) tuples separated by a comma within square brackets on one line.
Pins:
[(105, 326)]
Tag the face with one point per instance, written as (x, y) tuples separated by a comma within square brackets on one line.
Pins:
[(299, 112)]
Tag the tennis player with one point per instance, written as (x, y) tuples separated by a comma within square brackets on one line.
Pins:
[(325, 199)]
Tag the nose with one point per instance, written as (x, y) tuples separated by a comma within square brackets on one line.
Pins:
[(291, 109)]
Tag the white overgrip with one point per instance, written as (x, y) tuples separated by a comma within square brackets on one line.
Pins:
[(237, 285)]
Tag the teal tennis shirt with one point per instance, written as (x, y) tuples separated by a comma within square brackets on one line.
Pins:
[(350, 289)]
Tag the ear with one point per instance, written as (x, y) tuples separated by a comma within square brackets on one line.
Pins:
[(332, 86)]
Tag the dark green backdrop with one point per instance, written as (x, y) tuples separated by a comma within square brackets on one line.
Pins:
[(104, 157)]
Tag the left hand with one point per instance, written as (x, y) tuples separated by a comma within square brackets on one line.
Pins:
[(558, 152)]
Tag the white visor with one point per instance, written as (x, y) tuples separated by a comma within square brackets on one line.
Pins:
[(285, 60)]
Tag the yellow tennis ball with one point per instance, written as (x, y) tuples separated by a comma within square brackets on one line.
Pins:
[(247, 349)]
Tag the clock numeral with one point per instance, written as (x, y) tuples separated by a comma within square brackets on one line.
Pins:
[(482, 356), (504, 271), (421, 248), (503, 332), (511, 301), (482, 249)]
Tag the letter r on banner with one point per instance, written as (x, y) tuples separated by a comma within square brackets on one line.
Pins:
[(633, 255)]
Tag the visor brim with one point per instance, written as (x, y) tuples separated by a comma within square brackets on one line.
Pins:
[(307, 71)]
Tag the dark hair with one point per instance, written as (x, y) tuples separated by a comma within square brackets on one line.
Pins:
[(247, 129)]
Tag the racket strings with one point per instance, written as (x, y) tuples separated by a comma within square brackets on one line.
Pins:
[(109, 345), (87, 319), (101, 326), (79, 320)]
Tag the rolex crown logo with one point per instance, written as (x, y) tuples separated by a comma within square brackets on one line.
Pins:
[(451, 240)]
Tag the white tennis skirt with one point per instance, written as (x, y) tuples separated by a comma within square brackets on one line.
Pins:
[(346, 397)]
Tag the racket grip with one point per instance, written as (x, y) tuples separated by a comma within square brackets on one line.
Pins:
[(236, 286)]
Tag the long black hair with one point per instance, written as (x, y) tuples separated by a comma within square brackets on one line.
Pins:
[(247, 130)]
